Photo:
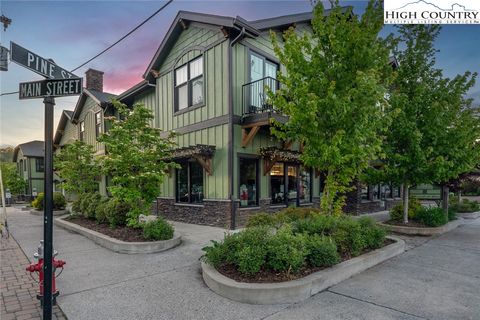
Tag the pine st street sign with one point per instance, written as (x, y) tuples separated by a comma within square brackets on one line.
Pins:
[(34, 62), (50, 88)]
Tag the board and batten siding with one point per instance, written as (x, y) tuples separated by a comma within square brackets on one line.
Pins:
[(70, 134), (149, 100), (88, 115)]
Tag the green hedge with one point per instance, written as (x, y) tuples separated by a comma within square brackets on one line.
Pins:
[(59, 201), (307, 240), (158, 229)]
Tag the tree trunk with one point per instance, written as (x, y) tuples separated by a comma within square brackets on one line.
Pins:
[(445, 192), (405, 202), (459, 196)]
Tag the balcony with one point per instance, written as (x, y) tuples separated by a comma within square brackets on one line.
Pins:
[(257, 109)]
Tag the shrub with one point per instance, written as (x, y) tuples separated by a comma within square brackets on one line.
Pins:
[(250, 259), (396, 213), (100, 210), (76, 206), (89, 203), (319, 224), (158, 230), (322, 251), (287, 251), (349, 237), (292, 214), (215, 254), (260, 219), (116, 212), (432, 217), (452, 215), (37, 203), (465, 206), (373, 235), (59, 201)]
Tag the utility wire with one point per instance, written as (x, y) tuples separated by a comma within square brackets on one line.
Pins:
[(114, 44)]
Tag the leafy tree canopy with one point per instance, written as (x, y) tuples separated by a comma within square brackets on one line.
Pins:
[(11, 179)]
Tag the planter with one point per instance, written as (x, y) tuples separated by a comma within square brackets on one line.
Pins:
[(55, 212), (469, 215), (419, 231), (299, 289), (118, 245)]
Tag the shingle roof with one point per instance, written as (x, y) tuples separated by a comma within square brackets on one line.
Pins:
[(30, 149), (102, 96)]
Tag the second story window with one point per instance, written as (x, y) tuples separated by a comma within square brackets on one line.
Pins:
[(39, 166), (82, 130), (98, 124), (189, 85)]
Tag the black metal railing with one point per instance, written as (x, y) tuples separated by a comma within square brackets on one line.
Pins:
[(255, 95)]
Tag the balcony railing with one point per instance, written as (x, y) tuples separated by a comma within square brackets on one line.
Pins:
[(255, 96)]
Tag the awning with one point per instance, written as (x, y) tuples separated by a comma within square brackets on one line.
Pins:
[(200, 152)]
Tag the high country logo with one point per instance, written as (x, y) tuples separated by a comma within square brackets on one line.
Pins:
[(427, 12)]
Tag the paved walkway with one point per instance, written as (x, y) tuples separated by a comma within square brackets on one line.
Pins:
[(18, 289), (437, 278)]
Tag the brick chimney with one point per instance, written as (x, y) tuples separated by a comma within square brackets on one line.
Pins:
[(94, 80)]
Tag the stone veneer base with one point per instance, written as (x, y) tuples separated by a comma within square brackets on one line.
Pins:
[(118, 245), (300, 289), (421, 231)]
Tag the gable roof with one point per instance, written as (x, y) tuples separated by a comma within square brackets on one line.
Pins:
[(101, 98), (64, 118), (33, 148), (128, 95)]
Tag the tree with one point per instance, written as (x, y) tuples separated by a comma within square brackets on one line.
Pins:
[(11, 179), (78, 168), (333, 92), (136, 158), (432, 136)]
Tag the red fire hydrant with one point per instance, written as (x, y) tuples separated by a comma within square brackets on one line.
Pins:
[(38, 268)]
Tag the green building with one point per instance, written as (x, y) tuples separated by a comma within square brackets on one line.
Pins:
[(29, 158)]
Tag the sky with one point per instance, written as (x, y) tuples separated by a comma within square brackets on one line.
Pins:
[(71, 32)]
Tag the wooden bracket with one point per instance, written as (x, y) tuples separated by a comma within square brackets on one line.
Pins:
[(317, 173), (205, 162), (154, 73), (302, 146), (288, 144), (268, 165), (248, 137), (183, 24), (224, 31)]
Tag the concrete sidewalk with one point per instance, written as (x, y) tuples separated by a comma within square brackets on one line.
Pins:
[(438, 278)]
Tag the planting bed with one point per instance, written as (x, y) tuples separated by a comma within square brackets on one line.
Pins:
[(422, 230)]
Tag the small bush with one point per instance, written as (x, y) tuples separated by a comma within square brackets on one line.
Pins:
[(396, 213), (76, 206), (465, 206), (250, 259), (322, 251), (319, 224), (116, 212), (100, 210), (158, 230), (349, 237), (59, 201), (432, 217), (260, 219), (287, 251), (292, 214), (452, 215), (89, 203), (373, 235)]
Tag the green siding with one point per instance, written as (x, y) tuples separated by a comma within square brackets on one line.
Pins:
[(70, 134), (149, 101), (88, 115)]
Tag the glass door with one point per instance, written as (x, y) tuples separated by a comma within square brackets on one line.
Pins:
[(256, 88)]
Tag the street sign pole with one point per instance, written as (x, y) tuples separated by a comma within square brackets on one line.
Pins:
[(49, 103)]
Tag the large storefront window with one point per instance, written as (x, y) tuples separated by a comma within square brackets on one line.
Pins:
[(290, 183), (248, 182), (189, 182), (364, 191)]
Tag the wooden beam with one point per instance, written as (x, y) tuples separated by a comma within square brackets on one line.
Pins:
[(258, 123), (268, 165), (302, 146), (206, 163), (247, 138), (224, 31), (288, 144), (183, 24)]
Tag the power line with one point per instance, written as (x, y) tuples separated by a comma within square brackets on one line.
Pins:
[(114, 44)]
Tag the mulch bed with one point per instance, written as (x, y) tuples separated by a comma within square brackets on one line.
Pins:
[(121, 233), (271, 276), (411, 223)]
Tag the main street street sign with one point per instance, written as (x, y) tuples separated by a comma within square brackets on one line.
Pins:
[(50, 88), (34, 62)]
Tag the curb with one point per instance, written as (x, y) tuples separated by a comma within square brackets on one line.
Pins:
[(119, 245), (422, 231), (55, 212), (469, 215), (300, 289)]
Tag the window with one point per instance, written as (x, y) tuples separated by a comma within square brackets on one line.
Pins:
[(376, 192), (98, 124), (189, 182), (248, 188), (395, 191), (82, 130), (290, 184), (189, 85), (261, 68), (364, 192), (39, 166)]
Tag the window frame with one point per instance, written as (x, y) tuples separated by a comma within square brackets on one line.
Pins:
[(286, 200), (257, 179), (39, 165), (81, 129), (189, 84), (189, 183), (98, 124)]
